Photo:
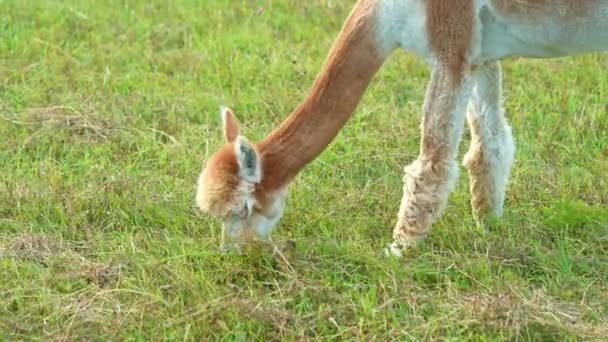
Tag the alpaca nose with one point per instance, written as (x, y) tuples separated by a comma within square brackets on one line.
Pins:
[(246, 210), (249, 205)]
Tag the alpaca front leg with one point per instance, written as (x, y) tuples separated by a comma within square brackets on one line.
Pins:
[(231, 237), (492, 149), (429, 180)]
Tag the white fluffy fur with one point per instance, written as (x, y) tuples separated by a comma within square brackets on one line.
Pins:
[(492, 140)]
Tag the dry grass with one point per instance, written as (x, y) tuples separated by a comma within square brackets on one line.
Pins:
[(81, 312), (85, 123), (63, 256), (516, 313)]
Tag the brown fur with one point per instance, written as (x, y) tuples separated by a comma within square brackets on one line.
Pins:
[(231, 126), (264, 200), (351, 64), (220, 180), (449, 30)]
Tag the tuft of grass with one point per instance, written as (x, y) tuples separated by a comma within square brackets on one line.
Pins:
[(83, 126), (108, 109)]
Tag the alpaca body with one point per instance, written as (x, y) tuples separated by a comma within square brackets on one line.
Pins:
[(549, 29), (463, 40)]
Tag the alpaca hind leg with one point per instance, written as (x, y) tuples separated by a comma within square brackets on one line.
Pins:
[(492, 149)]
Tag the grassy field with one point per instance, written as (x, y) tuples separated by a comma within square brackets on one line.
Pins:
[(108, 109)]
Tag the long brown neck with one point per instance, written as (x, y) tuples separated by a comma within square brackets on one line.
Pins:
[(352, 62)]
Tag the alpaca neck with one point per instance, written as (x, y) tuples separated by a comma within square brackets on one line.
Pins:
[(351, 64)]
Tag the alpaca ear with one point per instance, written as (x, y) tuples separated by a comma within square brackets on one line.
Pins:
[(250, 168), (230, 123)]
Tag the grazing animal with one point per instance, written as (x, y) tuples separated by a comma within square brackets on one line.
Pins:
[(245, 183)]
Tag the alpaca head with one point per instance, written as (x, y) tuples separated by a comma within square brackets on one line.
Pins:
[(230, 186)]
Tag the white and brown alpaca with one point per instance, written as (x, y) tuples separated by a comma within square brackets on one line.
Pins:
[(245, 184)]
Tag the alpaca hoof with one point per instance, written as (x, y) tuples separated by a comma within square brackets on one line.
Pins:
[(486, 223), (394, 250)]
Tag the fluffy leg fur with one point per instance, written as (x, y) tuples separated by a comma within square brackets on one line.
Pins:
[(429, 180), (490, 156)]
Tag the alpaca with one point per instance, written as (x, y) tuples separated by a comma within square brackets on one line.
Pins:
[(245, 183)]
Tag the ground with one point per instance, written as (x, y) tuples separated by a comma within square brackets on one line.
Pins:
[(108, 109)]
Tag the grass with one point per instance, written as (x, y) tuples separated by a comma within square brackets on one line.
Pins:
[(109, 108)]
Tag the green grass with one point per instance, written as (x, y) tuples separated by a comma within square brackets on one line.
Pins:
[(109, 108)]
